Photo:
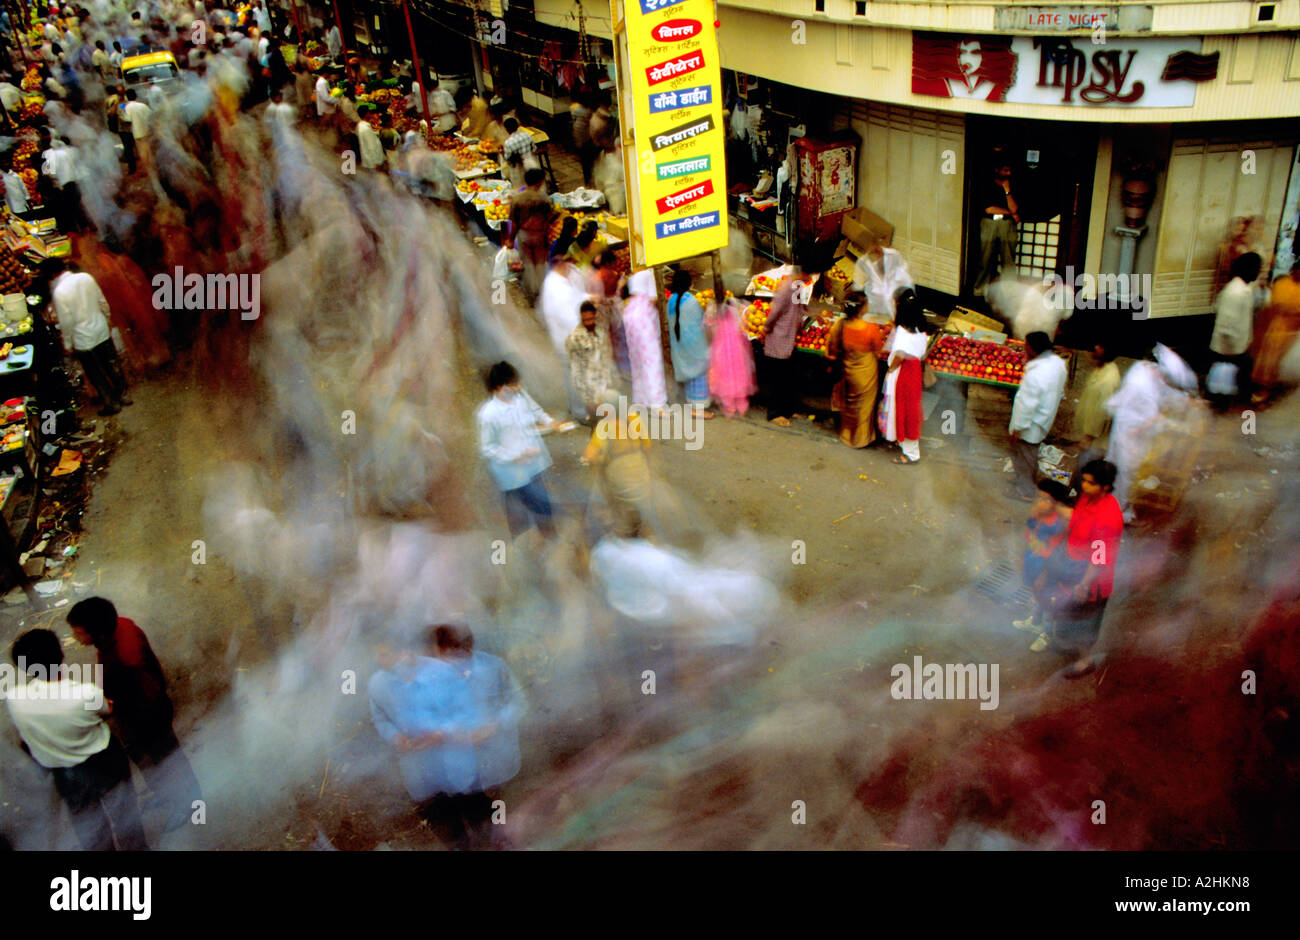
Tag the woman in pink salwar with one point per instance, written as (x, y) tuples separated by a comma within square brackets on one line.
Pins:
[(644, 342), (731, 362)]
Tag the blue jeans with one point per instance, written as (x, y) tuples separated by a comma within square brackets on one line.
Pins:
[(528, 504)]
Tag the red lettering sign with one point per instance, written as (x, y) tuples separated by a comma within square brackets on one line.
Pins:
[(676, 30), (685, 197), (673, 68)]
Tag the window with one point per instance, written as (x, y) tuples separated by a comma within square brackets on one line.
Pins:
[(1265, 12), (860, 8), (820, 6)]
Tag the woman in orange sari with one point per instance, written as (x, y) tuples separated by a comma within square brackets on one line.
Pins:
[(1276, 333), (856, 344)]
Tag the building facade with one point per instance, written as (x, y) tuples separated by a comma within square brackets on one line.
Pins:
[(1153, 140)]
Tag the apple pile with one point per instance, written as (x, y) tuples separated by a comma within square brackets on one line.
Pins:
[(813, 336), (976, 359)]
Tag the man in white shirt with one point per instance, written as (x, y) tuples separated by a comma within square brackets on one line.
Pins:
[(136, 115), (1234, 328), (115, 57), (325, 105), (82, 311), (11, 96), (61, 723), (262, 17), (16, 196), (509, 440), (334, 41), (278, 113), (60, 163), (442, 109), (1034, 409)]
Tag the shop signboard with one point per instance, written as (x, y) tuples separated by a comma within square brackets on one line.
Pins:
[(1057, 19), (670, 84), (1055, 70)]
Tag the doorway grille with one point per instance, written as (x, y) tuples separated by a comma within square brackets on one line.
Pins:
[(1037, 246)]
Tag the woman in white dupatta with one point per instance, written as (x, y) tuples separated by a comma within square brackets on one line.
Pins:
[(901, 414), (645, 342)]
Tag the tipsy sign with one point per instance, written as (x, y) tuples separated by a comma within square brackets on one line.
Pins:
[(677, 183), (1060, 71)]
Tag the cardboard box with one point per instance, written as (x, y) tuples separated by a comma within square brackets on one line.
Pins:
[(864, 228), (616, 229), (965, 321)]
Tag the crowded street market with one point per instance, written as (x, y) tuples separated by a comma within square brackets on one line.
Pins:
[(437, 425)]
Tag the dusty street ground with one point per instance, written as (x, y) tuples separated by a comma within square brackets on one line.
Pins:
[(899, 561)]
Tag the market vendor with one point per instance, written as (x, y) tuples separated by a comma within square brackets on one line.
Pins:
[(881, 273), (778, 334), (587, 244), (442, 109), (530, 222), (473, 112)]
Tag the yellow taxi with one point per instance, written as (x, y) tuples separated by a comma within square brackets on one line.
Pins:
[(150, 68)]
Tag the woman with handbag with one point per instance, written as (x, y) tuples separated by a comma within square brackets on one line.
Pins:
[(901, 413), (855, 344)]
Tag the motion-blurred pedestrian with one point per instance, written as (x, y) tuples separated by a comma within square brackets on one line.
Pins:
[(61, 722), (142, 709), (1034, 410), (517, 458)]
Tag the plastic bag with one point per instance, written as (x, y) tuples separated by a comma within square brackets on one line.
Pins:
[(506, 264), (1222, 379)]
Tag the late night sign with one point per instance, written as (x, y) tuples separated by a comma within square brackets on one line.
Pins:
[(1057, 19)]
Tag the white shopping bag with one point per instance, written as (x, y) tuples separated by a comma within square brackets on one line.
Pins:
[(1222, 379), (506, 264)]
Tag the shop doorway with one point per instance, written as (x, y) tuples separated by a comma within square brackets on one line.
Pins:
[(1052, 166)]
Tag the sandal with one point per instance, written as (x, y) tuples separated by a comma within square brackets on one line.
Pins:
[(903, 460), (781, 422)]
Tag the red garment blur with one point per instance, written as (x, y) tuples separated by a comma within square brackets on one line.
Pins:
[(1097, 520), (134, 681), (130, 301), (907, 399), (609, 279)]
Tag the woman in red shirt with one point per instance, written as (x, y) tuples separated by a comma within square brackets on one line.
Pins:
[(1081, 575)]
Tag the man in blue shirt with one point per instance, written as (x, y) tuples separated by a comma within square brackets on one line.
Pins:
[(453, 717)]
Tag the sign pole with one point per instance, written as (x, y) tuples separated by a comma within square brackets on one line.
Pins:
[(415, 64), (299, 41), (622, 88), (347, 65)]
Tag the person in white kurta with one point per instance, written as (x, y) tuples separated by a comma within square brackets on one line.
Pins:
[(1147, 391), (325, 105), (372, 151), (880, 278)]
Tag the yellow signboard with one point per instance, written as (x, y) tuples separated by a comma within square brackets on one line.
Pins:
[(671, 86)]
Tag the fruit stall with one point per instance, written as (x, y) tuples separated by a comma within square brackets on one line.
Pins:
[(975, 360), (612, 229)]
